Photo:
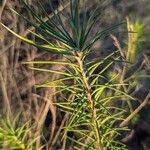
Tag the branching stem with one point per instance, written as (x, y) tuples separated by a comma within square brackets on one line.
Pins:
[(79, 58)]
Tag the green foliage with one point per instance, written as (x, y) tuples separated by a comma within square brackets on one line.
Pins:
[(15, 135), (90, 100), (135, 37), (78, 38)]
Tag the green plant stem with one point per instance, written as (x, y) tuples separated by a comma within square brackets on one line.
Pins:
[(79, 59)]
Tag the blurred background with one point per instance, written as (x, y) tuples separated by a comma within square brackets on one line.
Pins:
[(17, 91)]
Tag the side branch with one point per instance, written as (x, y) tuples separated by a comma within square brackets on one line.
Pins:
[(136, 111)]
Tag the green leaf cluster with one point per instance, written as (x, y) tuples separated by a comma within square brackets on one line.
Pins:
[(14, 135), (91, 104)]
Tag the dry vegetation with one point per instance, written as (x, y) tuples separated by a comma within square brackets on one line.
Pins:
[(17, 90)]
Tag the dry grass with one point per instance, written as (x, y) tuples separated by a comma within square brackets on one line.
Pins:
[(17, 91)]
